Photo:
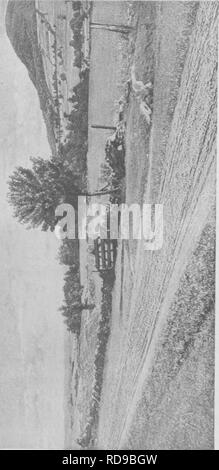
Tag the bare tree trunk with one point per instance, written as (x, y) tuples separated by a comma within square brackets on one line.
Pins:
[(111, 27), (99, 126), (99, 193)]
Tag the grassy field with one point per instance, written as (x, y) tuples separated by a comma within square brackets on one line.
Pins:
[(157, 381), (159, 376)]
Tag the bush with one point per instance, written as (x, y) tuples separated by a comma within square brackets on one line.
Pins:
[(74, 150), (113, 169), (72, 306), (76, 24), (68, 253)]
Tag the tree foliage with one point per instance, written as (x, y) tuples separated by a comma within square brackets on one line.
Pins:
[(76, 24), (72, 306), (35, 193), (68, 253)]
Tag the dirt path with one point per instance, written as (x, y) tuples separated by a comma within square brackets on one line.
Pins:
[(184, 181)]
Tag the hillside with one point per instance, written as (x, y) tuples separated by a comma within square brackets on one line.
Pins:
[(21, 27)]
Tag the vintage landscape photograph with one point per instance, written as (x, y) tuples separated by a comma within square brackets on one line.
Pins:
[(107, 342)]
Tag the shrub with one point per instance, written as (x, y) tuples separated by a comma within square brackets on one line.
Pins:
[(77, 126), (68, 253), (72, 306), (76, 24), (113, 169)]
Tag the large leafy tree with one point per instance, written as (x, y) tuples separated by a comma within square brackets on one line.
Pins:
[(35, 193)]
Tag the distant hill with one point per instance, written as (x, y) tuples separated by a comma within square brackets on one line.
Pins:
[(21, 27)]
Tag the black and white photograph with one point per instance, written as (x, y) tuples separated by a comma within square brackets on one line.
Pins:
[(108, 134)]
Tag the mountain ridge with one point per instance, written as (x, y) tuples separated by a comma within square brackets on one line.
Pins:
[(21, 29)]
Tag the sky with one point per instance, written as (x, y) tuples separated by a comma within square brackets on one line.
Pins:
[(31, 333)]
